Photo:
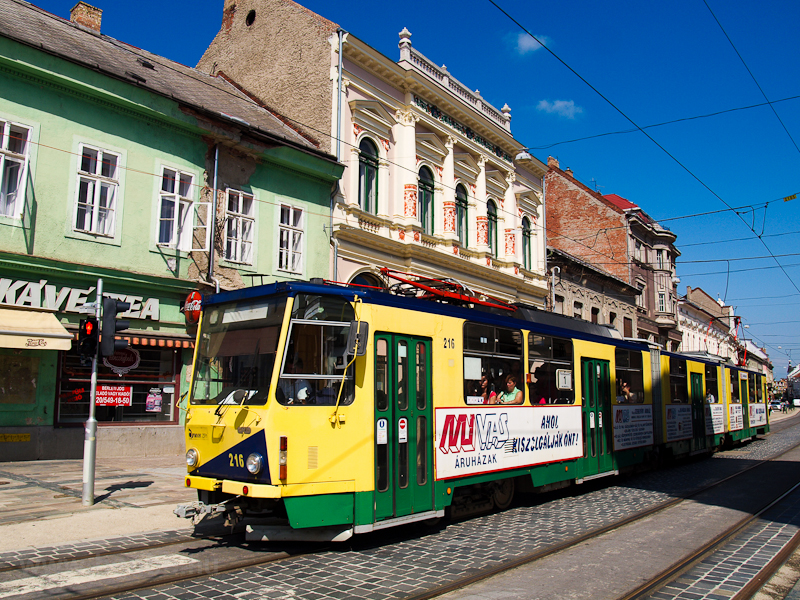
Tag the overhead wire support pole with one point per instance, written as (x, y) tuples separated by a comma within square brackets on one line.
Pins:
[(90, 431)]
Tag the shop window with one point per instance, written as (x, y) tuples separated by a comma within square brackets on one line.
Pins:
[(13, 167), (18, 377), (143, 390), (677, 381), (98, 184), (491, 355), (550, 379), (630, 376), (239, 226)]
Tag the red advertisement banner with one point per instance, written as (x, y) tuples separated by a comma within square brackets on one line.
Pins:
[(114, 395)]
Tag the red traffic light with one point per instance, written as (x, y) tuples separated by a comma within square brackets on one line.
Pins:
[(88, 328)]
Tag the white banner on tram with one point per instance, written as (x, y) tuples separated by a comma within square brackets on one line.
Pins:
[(679, 422), (737, 417), (715, 419), (758, 414), (471, 440), (633, 426)]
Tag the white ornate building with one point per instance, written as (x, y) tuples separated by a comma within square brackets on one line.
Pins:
[(435, 184), (706, 325)]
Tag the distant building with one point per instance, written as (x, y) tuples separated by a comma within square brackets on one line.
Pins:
[(110, 158), (706, 325), (435, 183), (617, 236), (589, 293)]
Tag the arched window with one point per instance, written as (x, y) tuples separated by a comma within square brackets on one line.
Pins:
[(461, 215), (425, 200), (526, 243), (368, 176), (491, 214)]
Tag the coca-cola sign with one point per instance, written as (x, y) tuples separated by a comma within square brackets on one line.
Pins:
[(192, 307), (123, 361)]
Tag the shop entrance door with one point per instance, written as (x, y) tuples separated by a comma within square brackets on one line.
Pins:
[(403, 426)]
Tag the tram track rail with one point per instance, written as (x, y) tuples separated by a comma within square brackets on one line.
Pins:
[(664, 576)]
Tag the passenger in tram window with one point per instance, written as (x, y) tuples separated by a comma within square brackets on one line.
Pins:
[(624, 395), (486, 392), (512, 395), (710, 398)]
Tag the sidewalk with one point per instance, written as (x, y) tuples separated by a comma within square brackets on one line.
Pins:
[(40, 501)]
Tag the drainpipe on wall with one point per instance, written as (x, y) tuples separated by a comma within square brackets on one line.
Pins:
[(553, 287), (341, 33), (544, 223), (213, 223)]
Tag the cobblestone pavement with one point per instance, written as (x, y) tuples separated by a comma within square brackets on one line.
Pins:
[(721, 575), (381, 568)]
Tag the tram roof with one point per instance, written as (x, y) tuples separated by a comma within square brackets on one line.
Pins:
[(546, 322)]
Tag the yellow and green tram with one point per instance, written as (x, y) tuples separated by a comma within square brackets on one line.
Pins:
[(333, 410)]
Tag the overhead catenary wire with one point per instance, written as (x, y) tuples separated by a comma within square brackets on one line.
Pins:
[(639, 128)]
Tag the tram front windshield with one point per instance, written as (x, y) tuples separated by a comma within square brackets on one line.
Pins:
[(236, 355)]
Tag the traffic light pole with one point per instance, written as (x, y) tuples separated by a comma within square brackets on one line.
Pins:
[(90, 432)]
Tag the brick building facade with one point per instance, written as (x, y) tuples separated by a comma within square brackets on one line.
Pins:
[(617, 236)]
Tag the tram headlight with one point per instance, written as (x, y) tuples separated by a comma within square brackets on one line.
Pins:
[(192, 457), (254, 463)]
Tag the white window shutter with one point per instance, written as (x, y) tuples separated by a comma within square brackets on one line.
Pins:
[(201, 230)]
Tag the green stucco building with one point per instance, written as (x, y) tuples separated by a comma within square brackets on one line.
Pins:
[(122, 165)]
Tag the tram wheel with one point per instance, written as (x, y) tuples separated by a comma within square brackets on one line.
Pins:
[(503, 493)]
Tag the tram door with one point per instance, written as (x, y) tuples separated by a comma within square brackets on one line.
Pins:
[(745, 389), (698, 412), (403, 426), (598, 444)]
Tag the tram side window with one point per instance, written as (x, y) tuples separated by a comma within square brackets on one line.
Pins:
[(551, 369), (712, 387), (759, 390), (491, 355), (630, 377), (734, 377), (677, 381), (751, 388)]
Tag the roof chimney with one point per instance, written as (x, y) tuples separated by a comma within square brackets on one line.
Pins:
[(552, 161), (568, 171), (86, 15)]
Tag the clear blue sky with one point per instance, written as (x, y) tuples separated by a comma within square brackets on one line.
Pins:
[(657, 62)]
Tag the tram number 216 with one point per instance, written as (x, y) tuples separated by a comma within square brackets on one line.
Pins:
[(237, 460), (450, 343)]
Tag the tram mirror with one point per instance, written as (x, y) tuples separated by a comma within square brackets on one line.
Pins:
[(358, 333)]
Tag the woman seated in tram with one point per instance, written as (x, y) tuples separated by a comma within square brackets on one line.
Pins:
[(511, 395)]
